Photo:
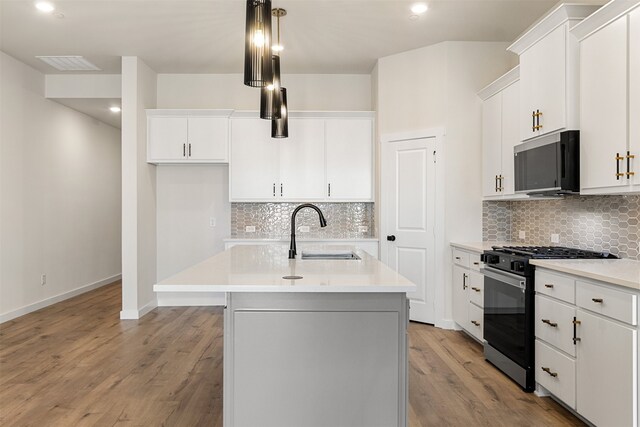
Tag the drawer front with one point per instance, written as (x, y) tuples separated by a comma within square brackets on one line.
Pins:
[(476, 326), (555, 285), (461, 258), (609, 302), (476, 288), (557, 373), (554, 324), (474, 262)]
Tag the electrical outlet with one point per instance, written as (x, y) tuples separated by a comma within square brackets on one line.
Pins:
[(555, 238), (522, 234), (250, 229), (212, 222), (363, 229), (303, 229), (43, 280)]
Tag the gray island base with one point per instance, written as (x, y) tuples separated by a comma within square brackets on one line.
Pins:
[(327, 350)]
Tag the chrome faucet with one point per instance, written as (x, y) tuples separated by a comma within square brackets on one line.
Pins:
[(323, 223)]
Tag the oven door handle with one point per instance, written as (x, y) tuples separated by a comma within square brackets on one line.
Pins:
[(507, 278)]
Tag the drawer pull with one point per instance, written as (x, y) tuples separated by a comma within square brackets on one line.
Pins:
[(597, 300), (550, 323), (476, 289), (548, 285), (458, 258), (475, 323), (548, 371), (576, 339), (576, 322), (476, 263)]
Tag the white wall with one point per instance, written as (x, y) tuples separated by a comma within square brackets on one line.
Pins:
[(319, 92), (138, 191), (436, 86), (60, 195), (189, 195)]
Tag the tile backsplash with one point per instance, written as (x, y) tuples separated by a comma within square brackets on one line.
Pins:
[(273, 220), (600, 223)]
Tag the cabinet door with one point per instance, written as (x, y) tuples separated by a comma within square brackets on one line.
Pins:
[(491, 144), (543, 83), (510, 135), (349, 146), (606, 371), (302, 161), (461, 296), (634, 94), (208, 138), (254, 161), (603, 105), (167, 138)]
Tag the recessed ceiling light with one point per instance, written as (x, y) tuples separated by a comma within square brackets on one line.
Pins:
[(115, 109), (419, 8), (45, 6)]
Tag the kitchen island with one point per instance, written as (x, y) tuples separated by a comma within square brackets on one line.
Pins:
[(307, 342)]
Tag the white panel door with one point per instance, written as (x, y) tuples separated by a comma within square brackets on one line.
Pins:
[(208, 138), (510, 136), (491, 143), (606, 377), (603, 106), (409, 186), (349, 159), (634, 94), (254, 161), (167, 138), (302, 170)]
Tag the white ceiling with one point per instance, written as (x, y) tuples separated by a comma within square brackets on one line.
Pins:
[(184, 36)]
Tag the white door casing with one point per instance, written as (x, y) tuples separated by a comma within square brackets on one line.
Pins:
[(409, 207)]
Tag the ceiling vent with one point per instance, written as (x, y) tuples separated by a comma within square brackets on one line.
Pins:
[(69, 63)]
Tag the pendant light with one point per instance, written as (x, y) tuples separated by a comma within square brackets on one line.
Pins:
[(270, 100), (257, 46), (280, 127)]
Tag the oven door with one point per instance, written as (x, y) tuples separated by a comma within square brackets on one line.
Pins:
[(506, 316)]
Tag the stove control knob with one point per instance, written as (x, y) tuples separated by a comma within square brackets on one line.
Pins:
[(517, 266)]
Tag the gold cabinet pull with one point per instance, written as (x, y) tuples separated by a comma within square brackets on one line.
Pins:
[(618, 173), (475, 323), (533, 121), (550, 323), (548, 285), (476, 263), (576, 322), (629, 157), (548, 371), (476, 289), (597, 300)]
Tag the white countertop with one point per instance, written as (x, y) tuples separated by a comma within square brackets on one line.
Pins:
[(482, 246), (623, 272), (261, 268)]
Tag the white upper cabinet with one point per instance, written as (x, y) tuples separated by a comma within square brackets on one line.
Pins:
[(254, 163), (349, 146), (549, 72), (500, 134), (610, 99), (324, 159), (302, 170), (187, 136)]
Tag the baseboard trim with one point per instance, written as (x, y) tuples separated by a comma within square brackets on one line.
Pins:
[(190, 299), (446, 324), (5, 317), (137, 314)]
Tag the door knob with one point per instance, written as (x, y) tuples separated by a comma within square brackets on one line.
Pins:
[(391, 238)]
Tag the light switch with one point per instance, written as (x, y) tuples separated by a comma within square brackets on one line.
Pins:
[(250, 229), (555, 238), (522, 235)]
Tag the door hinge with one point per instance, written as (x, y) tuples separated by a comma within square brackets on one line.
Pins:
[(434, 156)]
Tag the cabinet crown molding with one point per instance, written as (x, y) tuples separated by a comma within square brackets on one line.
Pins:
[(507, 79), (556, 17), (188, 113), (603, 16)]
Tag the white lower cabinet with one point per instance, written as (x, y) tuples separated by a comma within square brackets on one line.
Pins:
[(468, 293), (587, 347)]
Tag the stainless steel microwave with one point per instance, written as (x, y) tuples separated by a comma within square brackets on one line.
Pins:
[(548, 166)]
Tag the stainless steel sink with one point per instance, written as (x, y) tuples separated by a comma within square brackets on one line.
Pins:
[(330, 255)]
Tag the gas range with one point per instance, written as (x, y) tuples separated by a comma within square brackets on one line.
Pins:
[(515, 259)]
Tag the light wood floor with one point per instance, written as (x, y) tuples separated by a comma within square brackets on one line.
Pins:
[(77, 364)]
